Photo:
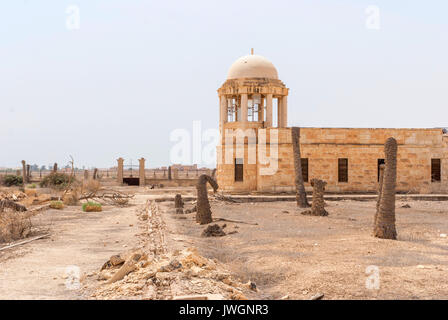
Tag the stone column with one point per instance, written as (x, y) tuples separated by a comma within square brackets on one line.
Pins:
[(24, 176), (120, 170), (244, 107), (285, 112), (269, 110), (141, 172), (86, 175), (279, 112), (223, 111)]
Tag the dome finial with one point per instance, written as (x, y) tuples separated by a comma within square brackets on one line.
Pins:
[(252, 51)]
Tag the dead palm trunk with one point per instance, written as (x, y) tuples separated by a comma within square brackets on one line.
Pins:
[(204, 213), (302, 202), (385, 220), (318, 205), (380, 190), (179, 204)]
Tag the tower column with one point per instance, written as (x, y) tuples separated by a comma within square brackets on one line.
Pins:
[(268, 110), (223, 110), (285, 112), (279, 112), (244, 107)]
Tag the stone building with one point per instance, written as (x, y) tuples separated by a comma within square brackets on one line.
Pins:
[(255, 152)]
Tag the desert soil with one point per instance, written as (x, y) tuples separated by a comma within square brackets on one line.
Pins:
[(285, 254)]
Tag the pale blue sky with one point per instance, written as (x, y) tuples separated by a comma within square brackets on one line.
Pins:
[(136, 70)]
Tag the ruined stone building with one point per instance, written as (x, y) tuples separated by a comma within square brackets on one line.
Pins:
[(348, 159)]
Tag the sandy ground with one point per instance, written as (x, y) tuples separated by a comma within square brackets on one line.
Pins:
[(38, 270), (291, 254), (286, 253)]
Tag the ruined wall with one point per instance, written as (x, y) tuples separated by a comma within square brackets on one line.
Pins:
[(362, 148)]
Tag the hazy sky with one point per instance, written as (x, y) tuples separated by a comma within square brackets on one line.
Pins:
[(136, 70)]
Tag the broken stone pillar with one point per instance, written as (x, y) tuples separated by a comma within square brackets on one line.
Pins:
[(169, 173), (28, 173), (55, 167), (95, 173), (120, 170), (86, 175), (24, 175), (141, 172)]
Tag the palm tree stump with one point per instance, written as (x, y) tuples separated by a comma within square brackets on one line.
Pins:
[(179, 204), (317, 207), (302, 202), (385, 217), (204, 213)]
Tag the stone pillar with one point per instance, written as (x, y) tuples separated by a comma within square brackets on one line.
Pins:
[(279, 112), (86, 175), (285, 112), (24, 176), (55, 167), (120, 170), (269, 110), (141, 172), (244, 107)]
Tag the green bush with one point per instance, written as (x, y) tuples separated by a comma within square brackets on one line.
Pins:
[(55, 180), (56, 205), (12, 180), (31, 186), (92, 207)]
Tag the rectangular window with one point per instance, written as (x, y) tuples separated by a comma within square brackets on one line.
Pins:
[(343, 170), (239, 173), (436, 170), (304, 169), (380, 162)]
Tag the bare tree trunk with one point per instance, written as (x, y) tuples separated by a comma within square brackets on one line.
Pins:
[(380, 191), (302, 202), (204, 213), (385, 221), (179, 204), (318, 205)]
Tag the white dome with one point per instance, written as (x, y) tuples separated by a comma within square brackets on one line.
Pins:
[(252, 66)]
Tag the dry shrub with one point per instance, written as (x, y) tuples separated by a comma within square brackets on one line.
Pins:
[(71, 198), (91, 186), (14, 225)]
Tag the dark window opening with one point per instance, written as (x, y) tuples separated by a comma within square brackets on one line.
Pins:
[(436, 174), (343, 170), (304, 162), (239, 169), (380, 162)]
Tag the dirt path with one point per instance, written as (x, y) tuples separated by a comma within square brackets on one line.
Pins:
[(38, 270)]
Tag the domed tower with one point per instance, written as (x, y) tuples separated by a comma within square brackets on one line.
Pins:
[(250, 100), (251, 92)]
